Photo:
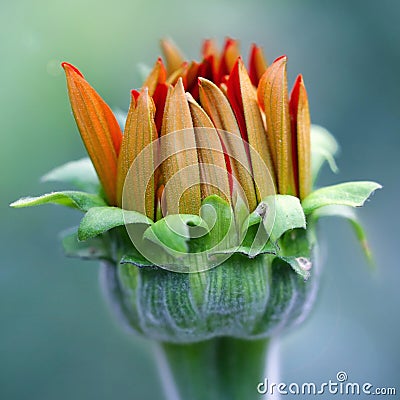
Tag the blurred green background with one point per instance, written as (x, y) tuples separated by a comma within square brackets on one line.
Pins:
[(57, 339)]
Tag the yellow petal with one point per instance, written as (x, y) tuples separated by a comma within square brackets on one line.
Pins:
[(301, 124), (243, 98), (217, 106), (213, 171), (180, 169), (173, 56), (273, 98), (98, 127), (140, 131)]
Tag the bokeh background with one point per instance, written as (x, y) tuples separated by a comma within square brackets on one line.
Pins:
[(57, 339)]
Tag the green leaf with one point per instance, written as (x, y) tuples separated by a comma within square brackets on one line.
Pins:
[(301, 265), (174, 231), (80, 200), (136, 259), (101, 219), (249, 250), (351, 215), (92, 249), (352, 194), (288, 214), (323, 148), (80, 174), (218, 216)]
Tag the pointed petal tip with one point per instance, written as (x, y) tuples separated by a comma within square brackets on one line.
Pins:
[(135, 94), (69, 67), (299, 80), (282, 58)]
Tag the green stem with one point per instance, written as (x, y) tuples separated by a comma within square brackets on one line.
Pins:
[(217, 369)]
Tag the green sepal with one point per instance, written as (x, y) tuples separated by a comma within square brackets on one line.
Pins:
[(351, 215), (249, 250), (218, 215), (80, 174), (242, 297), (173, 232), (288, 215), (323, 149), (353, 194), (296, 247), (300, 265), (136, 259), (93, 249), (101, 219), (80, 200)]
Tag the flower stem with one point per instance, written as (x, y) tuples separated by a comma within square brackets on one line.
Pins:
[(217, 369)]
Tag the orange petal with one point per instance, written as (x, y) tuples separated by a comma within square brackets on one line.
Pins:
[(98, 127), (229, 56), (191, 75), (243, 98), (209, 48), (172, 54), (273, 98), (180, 72), (217, 106), (213, 171), (210, 53), (140, 131), (180, 169), (301, 124), (157, 75), (257, 65)]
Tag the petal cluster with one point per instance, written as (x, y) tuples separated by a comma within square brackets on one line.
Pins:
[(242, 133)]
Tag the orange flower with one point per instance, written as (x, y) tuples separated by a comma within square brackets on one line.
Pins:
[(239, 123)]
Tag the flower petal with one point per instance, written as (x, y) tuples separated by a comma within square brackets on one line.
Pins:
[(172, 54), (211, 55), (217, 106), (243, 98), (213, 171), (98, 127), (273, 98), (301, 130), (140, 131), (230, 54), (257, 64), (180, 72), (180, 169), (157, 75), (159, 97)]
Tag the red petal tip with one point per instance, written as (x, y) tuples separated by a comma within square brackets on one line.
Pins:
[(66, 66), (135, 94), (281, 58)]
